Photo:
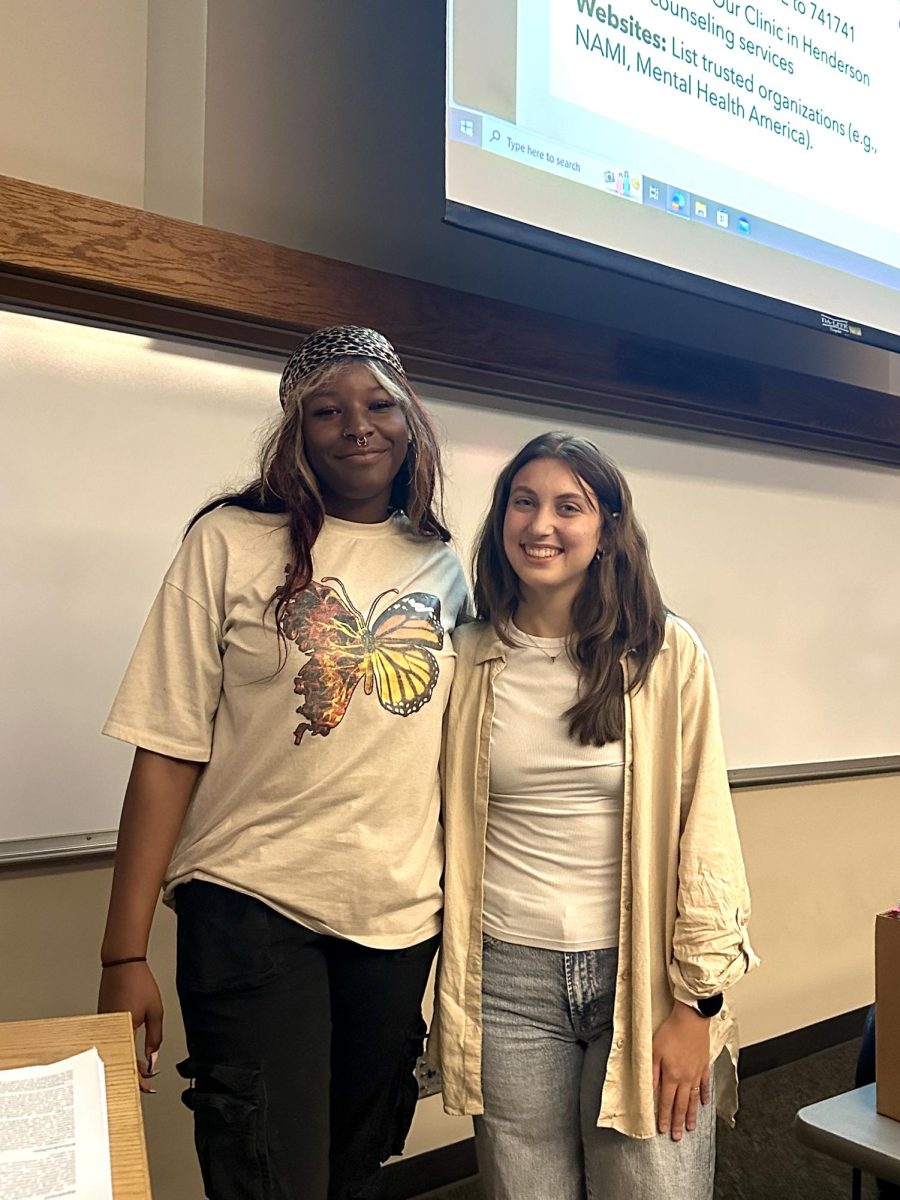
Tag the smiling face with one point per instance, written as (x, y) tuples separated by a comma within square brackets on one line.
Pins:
[(350, 407), (551, 530)]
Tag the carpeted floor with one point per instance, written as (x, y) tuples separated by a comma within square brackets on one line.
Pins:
[(760, 1159)]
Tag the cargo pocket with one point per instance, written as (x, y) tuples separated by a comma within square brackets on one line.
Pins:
[(404, 1093), (229, 1108)]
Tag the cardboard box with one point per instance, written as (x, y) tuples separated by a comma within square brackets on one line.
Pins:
[(887, 1014)]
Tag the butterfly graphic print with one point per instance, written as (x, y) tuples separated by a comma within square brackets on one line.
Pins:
[(391, 656)]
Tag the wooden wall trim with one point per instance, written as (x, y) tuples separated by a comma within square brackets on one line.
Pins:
[(95, 260)]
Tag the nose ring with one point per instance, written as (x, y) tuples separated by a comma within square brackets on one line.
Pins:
[(362, 442)]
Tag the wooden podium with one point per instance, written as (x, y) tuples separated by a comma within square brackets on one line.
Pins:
[(30, 1043)]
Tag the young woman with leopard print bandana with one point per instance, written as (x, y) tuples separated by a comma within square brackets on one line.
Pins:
[(303, 857)]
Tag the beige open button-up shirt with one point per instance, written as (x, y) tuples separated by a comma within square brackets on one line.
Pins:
[(684, 900)]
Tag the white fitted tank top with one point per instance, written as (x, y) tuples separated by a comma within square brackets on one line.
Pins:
[(553, 860)]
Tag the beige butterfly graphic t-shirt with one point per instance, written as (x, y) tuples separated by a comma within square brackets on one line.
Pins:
[(320, 793)]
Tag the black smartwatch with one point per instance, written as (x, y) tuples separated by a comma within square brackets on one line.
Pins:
[(709, 1006)]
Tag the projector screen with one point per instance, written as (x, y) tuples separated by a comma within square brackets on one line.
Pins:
[(750, 152)]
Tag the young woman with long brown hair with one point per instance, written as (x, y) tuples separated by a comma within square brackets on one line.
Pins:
[(303, 857), (595, 897)]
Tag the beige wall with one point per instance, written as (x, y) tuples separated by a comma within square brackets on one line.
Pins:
[(822, 862), (106, 97), (73, 81), (176, 108)]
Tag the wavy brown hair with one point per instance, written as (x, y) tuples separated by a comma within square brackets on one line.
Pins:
[(287, 484), (618, 610)]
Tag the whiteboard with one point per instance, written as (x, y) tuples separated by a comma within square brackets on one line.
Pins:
[(786, 565)]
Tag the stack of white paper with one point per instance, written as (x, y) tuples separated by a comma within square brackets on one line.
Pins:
[(54, 1140)]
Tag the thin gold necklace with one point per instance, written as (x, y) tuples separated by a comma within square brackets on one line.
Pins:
[(538, 646)]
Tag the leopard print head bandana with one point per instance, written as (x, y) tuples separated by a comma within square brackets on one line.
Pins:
[(326, 345)]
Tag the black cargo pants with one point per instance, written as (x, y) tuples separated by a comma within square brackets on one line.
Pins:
[(301, 1050)]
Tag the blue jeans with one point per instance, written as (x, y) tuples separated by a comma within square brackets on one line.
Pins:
[(547, 1034)]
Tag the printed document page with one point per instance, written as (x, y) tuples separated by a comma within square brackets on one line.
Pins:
[(54, 1139)]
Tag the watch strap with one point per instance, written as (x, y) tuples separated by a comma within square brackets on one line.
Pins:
[(709, 1006)]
